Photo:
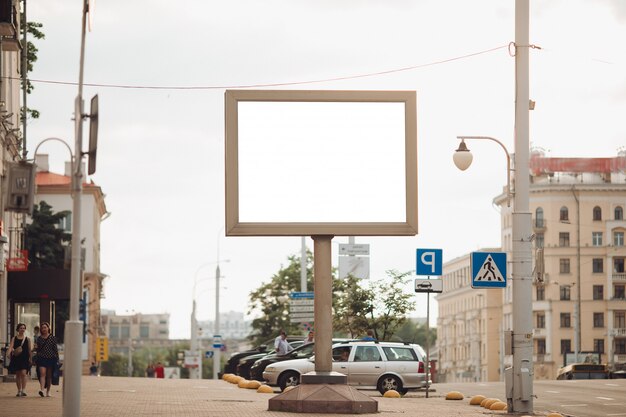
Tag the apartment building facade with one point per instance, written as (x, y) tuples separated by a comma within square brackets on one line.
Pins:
[(577, 207), (137, 329), (468, 326)]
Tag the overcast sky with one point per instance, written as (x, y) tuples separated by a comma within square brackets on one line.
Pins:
[(161, 150)]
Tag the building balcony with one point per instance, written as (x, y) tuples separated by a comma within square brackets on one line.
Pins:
[(539, 225), (540, 332), (619, 276), (542, 358), (619, 332)]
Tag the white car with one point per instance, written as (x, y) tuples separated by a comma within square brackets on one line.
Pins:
[(369, 365)]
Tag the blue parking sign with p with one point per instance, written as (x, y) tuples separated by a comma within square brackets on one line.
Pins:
[(429, 262)]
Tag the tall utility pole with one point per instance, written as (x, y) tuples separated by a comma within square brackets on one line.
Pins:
[(519, 379), (74, 326), (216, 331)]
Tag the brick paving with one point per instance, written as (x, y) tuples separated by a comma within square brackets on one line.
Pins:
[(132, 397)]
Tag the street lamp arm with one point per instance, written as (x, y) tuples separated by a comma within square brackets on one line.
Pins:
[(58, 140), (508, 161)]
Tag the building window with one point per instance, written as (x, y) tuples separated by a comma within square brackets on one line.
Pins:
[(596, 238), (597, 213), (598, 265), (564, 291), (541, 346), (598, 292), (539, 240), (114, 332), (65, 223), (619, 213), (598, 319), (539, 222), (125, 332), (618, 238), (566, 345), (566, 320), (144, 331), (563, 239), (620, 346), (564, 266), (620, 320), (541, 293), (564, 214), (541, 321), (598, 345), (618, 291), (618, 265)]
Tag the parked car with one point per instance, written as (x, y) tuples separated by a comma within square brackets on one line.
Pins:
[(267, 347), (301, 352), (245, 363), (368, 365)]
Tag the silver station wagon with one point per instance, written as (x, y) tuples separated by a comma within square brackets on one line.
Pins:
[(367, 364)]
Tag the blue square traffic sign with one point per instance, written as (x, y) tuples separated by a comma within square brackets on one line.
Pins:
[(429, 262), (488, 269)]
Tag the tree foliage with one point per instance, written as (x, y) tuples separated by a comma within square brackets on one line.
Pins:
[(44, 240), (414, 332), (378, 305), (271, 300), (382, 306), (33, 29)]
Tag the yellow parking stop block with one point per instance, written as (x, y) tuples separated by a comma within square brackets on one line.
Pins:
[(454, 395), (477, 399), (392, 393)]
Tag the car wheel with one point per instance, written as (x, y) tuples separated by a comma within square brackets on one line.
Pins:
[(288, 379), (390, 382)]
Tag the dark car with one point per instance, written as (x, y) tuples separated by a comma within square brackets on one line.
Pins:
[(243, 368), (302, 352), (265, 348)]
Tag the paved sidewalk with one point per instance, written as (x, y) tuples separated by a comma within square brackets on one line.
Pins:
[(131, 397)]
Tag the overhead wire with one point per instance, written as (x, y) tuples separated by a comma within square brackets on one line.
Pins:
[(277, 84)]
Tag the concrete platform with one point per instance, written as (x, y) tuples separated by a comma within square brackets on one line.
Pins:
[(324, 399)]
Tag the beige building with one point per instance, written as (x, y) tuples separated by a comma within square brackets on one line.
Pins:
[(467, 326), (577, 208), (137, 329)]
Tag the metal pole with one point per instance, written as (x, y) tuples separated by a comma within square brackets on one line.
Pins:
[(577, 306), (323, 287), (303, 286), (193, 372), (522, 401), (24, 78), (130, 357), (427, 341), (74, 327), (216, 331)]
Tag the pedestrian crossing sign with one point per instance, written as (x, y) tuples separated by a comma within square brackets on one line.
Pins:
[(488, 269)]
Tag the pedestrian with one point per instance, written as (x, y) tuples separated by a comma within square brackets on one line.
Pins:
[(310, 338), (93, 369), (20, 352), (370, 335), (150, 370), (47, 358), (159, 371), (281, 345)]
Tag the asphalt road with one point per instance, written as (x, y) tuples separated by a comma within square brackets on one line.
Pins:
[(579, 398)]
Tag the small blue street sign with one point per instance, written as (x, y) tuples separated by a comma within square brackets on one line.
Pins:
[(429, 262), (488, 269), (217, 345), (208, 354), (308, 294)]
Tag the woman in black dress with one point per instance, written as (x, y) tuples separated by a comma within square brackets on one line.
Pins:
[(20, 354), (47, 357)]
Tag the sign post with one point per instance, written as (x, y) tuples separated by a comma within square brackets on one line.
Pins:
[(428, 262)]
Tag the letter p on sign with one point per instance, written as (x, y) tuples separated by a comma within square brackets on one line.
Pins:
[(429, 262)]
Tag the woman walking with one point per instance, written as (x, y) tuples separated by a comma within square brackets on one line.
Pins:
[(20, 354), (47, 357)]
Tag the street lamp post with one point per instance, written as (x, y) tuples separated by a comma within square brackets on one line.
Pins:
[(518, 379)]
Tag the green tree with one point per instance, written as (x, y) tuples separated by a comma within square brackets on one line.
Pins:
[(117, 365), (382, 306), (44, 240), (33, 29), (413, 332), (271, 300)]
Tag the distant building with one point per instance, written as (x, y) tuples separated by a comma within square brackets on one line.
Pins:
[(138, 329), (232, 326), (577, 207)]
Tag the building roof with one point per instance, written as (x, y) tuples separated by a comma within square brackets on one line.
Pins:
[(51, 183), (44, 178)]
